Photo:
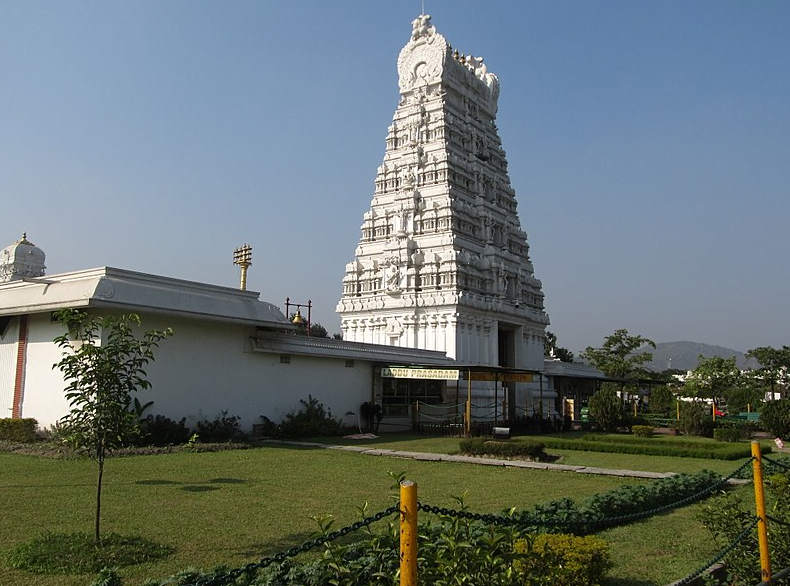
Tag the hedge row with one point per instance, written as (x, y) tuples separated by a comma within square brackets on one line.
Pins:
[(612, 508), (18, 430), (522, 448), (654, 447)]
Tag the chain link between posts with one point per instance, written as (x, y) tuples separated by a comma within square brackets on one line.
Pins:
[(521, 521), (229, 577)]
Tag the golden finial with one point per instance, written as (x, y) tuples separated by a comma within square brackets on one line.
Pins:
[(242, 256)]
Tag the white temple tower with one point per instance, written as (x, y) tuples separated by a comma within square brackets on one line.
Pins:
[(443, 263), (21, 260)]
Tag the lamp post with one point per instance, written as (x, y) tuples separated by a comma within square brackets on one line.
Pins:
[(242, 256), (298, 319)]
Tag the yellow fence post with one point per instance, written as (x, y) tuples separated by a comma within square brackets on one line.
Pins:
[(762, 527), (408, 533)]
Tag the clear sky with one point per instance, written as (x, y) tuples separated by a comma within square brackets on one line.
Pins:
[(648, 144)]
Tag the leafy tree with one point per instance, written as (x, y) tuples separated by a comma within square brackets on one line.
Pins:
[(774, 366), (606, 409), (775, 417), (618, 357), (748, 394), (714, 378), (550, 348), (103, 365)]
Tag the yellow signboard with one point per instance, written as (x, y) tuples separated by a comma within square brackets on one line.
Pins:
[(419, 373), (508, 377)]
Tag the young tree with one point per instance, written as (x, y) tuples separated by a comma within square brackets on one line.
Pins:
[(714, 378), (774, 366), (618, 357), (103, 365)]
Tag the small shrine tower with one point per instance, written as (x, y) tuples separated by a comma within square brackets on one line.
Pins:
[(21, 260), (443, 263)]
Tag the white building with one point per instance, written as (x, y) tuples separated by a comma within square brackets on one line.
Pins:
[(229, 352), (443, 263)]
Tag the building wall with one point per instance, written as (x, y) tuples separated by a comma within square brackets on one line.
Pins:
[(8, 346), (43, 397), (208, 367), (205, 368)]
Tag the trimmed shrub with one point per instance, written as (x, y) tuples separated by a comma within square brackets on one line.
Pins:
[(642, 430), (18, 430), (565, 560), (728, 434), (523, 448), (612, 508), (655, 446)]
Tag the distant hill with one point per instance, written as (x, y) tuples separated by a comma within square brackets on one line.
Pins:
[(685, 355)]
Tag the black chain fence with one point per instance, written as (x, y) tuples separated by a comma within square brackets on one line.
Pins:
[(229, 577)]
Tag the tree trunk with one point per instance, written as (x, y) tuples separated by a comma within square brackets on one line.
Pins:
[(97, 537)]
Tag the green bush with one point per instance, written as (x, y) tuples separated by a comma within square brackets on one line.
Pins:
[(453, 551), (224, 428), (565, 560), (694, 420), (522, 448), (18, 430), (163, 431), (642, 430), (655, 446), (612, 508), (727, 516), (311, 420), (775, 417), (606, 409), (728, 434)]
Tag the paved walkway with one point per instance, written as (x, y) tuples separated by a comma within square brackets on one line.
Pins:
[(431, 457)]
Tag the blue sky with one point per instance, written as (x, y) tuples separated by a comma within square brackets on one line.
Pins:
[(648, 143)]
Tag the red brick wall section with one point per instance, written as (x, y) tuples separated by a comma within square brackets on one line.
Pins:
[(19, 380)]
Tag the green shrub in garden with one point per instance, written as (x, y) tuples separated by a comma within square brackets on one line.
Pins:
[(728, 434), (18, 430), (565, 560), (642, 430), (522, 448), (627, 444), (452, 551)]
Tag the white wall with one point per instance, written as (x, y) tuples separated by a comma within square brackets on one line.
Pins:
[(203, 369), (8, 346), (209, 367), (43, 397)]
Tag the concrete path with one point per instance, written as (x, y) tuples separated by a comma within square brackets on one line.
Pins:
[(431, 457)]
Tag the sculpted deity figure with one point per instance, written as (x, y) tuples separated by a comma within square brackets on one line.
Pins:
[(422, 27), (393, 278)]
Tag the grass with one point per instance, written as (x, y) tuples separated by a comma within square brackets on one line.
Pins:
[(235, 507)]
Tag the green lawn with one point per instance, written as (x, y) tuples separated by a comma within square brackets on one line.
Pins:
[(235, 507)]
